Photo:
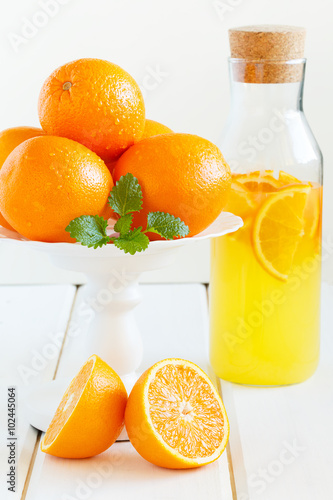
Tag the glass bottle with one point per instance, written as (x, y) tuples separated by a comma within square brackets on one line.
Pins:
[(265, 278)]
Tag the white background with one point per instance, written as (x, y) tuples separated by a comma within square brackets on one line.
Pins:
[(185, 42)]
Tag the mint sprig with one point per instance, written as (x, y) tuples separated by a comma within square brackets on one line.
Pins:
[(125, 199)]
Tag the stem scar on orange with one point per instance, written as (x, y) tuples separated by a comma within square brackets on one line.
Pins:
[(181, 174), (9, 140), (94, 102), (48, 181), (90, 416), (174, 416)]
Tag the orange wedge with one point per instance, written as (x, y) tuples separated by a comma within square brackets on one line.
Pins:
[(240, 201), (278, 228), (175, 417), (286, 179), (90, 416), (259, 181)]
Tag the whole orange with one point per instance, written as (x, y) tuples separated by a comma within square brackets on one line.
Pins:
[(48, 181), (181, 174), (9, 139), (155, 128), (94, 102)]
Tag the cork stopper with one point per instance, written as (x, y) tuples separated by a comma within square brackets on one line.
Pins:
[(268, 53)]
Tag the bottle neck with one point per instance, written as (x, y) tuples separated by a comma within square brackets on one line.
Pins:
[(255, 92)]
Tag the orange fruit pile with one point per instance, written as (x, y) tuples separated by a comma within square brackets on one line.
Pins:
[(278, 212), (174, 416), (93, 122)]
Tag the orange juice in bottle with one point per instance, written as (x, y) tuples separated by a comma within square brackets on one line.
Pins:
[(265, 278)]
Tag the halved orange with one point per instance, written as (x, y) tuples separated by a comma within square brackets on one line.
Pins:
[(240, 201), (278, 228), (259, 181), (90, 416), (174, 416)]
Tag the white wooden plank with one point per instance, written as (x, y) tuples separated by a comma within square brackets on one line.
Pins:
[(173, 321), (119, 473), (281, 438), (33, 320)]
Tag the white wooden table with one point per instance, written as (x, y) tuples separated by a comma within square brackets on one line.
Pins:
[(281, 443)]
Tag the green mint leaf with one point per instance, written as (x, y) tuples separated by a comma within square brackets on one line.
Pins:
[(89, 230), (132, 242), (123, 225), (166, 225), (126, 195)]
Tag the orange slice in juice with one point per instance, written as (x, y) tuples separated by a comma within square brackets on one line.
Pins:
[(286, 179), (312, 212), (257, 173), (240, 200), (278, 228), (259, 181), (312, 209)]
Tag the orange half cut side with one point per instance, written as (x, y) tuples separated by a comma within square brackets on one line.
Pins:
[(175, 417)]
